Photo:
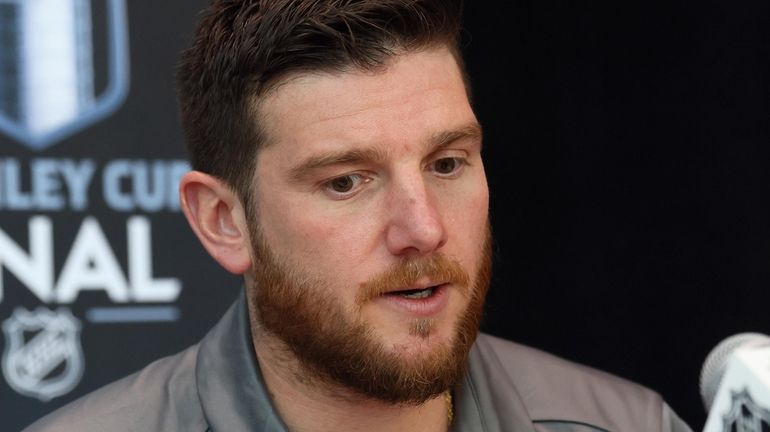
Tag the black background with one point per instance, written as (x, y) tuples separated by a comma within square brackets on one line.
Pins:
[(626, 149)]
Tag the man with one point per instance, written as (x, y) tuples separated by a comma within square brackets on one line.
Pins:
[(338, 168)]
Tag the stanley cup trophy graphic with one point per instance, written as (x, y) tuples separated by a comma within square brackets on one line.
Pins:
[(47, 76), (47, 68)]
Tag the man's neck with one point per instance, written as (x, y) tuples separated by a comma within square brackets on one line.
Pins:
[(307, 405)]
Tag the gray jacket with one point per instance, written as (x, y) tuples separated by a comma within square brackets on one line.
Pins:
[(216, 386)]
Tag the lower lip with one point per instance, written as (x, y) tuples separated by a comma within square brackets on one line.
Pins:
[(421, 307)]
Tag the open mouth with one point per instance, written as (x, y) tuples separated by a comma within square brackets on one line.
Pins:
[(415, 294), (420, 301)]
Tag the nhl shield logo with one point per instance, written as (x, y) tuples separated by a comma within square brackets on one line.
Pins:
[(745, 415), (53, 82), (43, 357)]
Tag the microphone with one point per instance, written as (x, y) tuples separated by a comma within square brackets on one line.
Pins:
[(735, 384)]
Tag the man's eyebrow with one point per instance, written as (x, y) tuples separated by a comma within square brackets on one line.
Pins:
[(299, 172), (438, 141), (470, 131)]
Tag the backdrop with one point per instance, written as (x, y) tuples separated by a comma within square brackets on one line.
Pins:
[(625, 144)]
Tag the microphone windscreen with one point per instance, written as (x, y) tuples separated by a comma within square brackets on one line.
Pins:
[(716, 362)]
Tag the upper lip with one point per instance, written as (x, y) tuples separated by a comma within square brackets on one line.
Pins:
[(417, 286)]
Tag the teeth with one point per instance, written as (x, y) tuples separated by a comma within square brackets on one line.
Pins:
[(419, 294)]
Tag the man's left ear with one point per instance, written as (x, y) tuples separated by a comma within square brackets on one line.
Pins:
[(216, 216)]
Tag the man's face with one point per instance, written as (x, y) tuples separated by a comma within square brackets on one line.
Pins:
[(370, 235)]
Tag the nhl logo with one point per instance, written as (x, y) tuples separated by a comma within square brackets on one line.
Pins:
[(745, 415), (43, 357), (54, 80)]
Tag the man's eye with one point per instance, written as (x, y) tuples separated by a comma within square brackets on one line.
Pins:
[(345, 186), (342, 184), (446, 166)]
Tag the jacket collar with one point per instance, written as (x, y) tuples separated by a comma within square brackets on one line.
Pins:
[(234, 398), (487, 399), (230, 386)]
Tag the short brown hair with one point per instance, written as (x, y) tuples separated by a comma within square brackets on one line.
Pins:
[(242, 48)]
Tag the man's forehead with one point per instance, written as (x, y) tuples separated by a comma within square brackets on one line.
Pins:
[(385, 80)]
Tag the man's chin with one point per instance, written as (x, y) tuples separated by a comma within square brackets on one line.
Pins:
[(411, 348)]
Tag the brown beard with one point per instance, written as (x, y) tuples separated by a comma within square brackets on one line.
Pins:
[(333, 350)]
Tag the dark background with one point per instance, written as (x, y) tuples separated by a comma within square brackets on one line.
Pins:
[(626, 149)]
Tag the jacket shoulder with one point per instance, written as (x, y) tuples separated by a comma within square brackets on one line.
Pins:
[(557, 391), (160, 397)]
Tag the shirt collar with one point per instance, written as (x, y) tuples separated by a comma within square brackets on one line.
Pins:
[(234, 398), (230, 386), (486, 399)]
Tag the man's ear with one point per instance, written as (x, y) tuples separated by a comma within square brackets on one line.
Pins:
[(216, 216)]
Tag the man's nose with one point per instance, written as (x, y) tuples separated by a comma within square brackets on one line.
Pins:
[(415, 226)]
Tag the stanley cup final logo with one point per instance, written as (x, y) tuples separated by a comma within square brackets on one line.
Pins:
[(51, 84)]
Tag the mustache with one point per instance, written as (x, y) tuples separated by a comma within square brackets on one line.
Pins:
[(406, 273)]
